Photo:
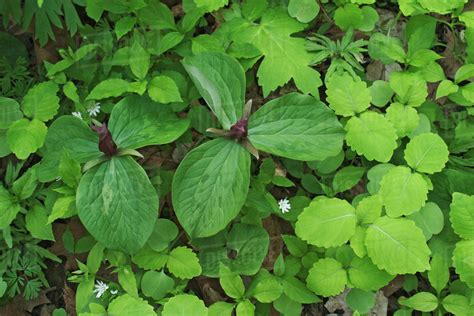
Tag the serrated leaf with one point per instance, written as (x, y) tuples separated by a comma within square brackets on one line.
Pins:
[(405, 119), (427, 153), (327, 277), (326, 222), (184, 304), (369, 209), (462, 215), (285, 57), (296, 121), (410, 88), (430, 219), (137, 122), (9, 112), (386, 48), (303, 10), (363, 274), (210, 186), (25, 137), (118, 194), (382, 141), (41, 101), (129, 305), (397, 246), (183, 263), (347, 96), (463, 261), (403, 192), (220, 80)]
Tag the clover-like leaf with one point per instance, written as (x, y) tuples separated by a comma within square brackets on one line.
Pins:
[(210, 186), (397, 246), (296, 121), (327, 222), (117, 204), (383, 137), (427, 153)]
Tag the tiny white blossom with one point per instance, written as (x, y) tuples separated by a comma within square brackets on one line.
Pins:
[(284, 205), (114, 292), (94, 110), (77, 114), (58, 178), (100, 288)]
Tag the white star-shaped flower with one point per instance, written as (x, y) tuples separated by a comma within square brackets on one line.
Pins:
[(77, 114), (94, 110), (284, 205), (100, 288), (114, 292)]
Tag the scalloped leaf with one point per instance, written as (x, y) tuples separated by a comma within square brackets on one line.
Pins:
[(347, 96), (462, 215), (427, 153), (463, 261), (327, 277)]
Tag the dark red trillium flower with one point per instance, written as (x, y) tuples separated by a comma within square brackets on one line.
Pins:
[(239, 129), (106, 143)]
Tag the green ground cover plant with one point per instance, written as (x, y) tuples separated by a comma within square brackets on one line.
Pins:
[(237, 157)]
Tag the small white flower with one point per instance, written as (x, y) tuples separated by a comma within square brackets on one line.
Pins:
[(58, 178), (94, 110), (114, 292), (284, 205), (100, 288), (77, 114)]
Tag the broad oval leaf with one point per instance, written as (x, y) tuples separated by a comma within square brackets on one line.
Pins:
[(397, 246), (137, 122), (298, 127), (117, 204), (327, 222), (463, 261), (462, 215), (427, 153), (210, 186), (220, 80), (403, 192), (382, 141)]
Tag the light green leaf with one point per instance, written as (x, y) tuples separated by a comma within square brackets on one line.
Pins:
[(220, 80), (139, 60), (462, 215), (402, 191), (296, 247), (183, 263), (363, 274), (37, 223), (457, 304), (221, 308), (113, 87), (388, 49), (245, 308), (24, 186), (423, 57), (69, 170), (405, 119), (128, 305), (9, 208), (206, 43), (64, 207), (357, 242), (303, 10), (369, 209), (137, 122), (296, 121), (231, 282), (347, 96), (156, 284), (397, 246), (410, 88), (360, 300), (442, 6), (127, 280), (427, 153), (381, 93), (297, 291), (267, 289), (327, 222), (25, 137), (327, 277), (163, 89), (210, 5), (147, 258), (9, 112), (285, 57), (382, 141), (118, 194), (439, 273), (347, 177), (165, 231), (41, 101), (463, 261), (124, 25), (422, 301), (430, 219), (464, 72), (184, 304), (210, 186)]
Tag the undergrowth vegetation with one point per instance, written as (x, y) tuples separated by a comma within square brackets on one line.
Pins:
[(242, 157)]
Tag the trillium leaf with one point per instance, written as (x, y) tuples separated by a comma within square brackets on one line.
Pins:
[(327, 222), (383, 137), (462, 215), (137, 122), (463, 260), (347, 96), (25, 137), (220, 80), (403, 192), (397, 246), (296, 121), (9, 112), (117, 204), (327, 277), (427, 153), (210, 186), (41, 101)]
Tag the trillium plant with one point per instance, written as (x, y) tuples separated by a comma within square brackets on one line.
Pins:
[(211, 183)]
